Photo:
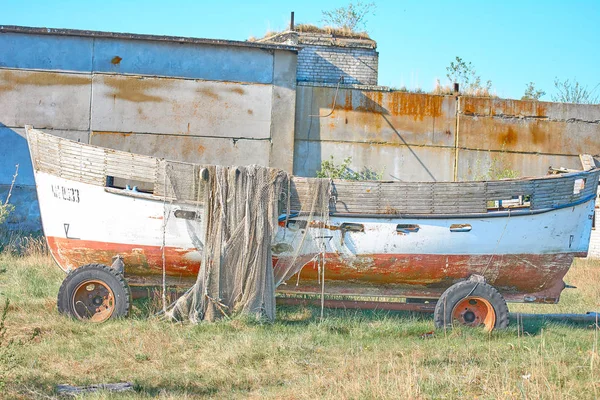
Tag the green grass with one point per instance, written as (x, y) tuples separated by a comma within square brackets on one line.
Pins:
[(351, 354)]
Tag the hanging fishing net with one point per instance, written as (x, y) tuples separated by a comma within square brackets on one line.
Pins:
[(242, 219)]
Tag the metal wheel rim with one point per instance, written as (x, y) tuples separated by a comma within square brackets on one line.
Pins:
[(475, 311), (93, 301)]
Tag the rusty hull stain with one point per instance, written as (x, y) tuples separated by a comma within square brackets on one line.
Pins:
[(518, 274), (139, 260), (134, 89), (116, 60), (10, 80)]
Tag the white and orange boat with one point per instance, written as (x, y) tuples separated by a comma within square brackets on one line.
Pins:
[(473, 244)]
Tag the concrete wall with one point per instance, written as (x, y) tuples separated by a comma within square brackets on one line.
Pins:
[(442, 138), (408, 136), (200, 101)]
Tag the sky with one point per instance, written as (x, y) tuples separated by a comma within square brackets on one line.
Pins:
[(508, 42)]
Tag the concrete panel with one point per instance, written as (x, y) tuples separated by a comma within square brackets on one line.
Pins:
[(481, 106), (481, 165), (375, 116), (526, 126), (189, 149), (30, 51), (45, 99), (283, 110), (179, 106), (196, 61), (14, 151), (405, 163)]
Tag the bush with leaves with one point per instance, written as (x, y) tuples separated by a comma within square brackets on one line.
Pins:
[(352, 17), (329, 169), (574, 92)]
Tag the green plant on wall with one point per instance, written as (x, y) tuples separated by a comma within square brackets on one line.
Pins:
[(5, 207), (329, 169), (5, 210), (499, 168)]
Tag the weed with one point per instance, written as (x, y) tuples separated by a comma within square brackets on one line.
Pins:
[(329, 169), (499, 168), (3, 321)]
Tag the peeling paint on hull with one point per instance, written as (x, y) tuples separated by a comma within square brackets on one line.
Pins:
[(520, 277), (419, 275)]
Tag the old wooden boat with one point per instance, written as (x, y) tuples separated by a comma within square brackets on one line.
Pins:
[(487, 241)]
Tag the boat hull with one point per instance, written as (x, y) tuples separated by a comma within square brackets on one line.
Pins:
[(524, 256)]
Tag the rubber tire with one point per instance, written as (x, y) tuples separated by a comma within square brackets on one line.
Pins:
[(459, 291), (100, 272)]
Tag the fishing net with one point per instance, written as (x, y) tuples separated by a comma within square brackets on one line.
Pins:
[(241, 219)]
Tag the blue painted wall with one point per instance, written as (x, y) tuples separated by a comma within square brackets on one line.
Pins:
[(139, 57), (48, 99)]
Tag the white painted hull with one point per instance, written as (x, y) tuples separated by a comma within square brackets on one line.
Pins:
[(523, 252)]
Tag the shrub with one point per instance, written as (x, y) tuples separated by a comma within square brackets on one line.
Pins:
[(329, 169)]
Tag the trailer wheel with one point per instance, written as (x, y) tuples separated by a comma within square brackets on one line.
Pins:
[(471, 303), (95, 293)]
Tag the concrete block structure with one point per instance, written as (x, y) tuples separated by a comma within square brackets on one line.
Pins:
[(330, 58)]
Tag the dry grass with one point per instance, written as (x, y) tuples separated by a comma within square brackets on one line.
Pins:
[(351, 354), (448, 90), (327, 30)]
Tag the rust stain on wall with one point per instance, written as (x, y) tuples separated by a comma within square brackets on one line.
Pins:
[(238, 90), (10, 80), (134, 88), (538, 136), (414, 105), (122, 134), (417, 106), (509, 138), (503, 107), (533, 135), (116, 60), (518, 108), (208, 92)]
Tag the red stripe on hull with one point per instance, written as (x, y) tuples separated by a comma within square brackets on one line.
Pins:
[(416, 275), (138, 259)]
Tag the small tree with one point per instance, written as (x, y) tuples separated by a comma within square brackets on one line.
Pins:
[(352, 17), (463, 73), (531, 93), (573, 92)]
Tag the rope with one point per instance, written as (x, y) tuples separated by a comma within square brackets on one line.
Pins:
[(162, 248), (493, 254)]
